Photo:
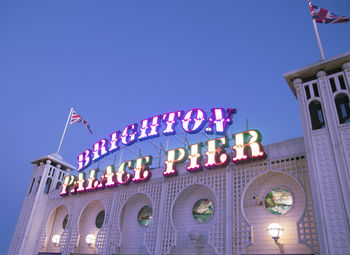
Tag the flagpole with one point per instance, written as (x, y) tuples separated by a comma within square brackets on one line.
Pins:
[(65, 128), (318, 39)]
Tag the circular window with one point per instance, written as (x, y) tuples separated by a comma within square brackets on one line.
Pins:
[(278, 201), (145, 216), (100, 219), (202, 210), (65, 221)]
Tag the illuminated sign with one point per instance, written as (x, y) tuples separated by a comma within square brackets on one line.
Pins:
[(247, 146), (191, 122)]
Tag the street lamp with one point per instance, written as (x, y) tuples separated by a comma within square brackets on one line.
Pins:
[(276, 231), (90, 240), (56, 240)]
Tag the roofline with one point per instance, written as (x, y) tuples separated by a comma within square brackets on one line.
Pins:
[(53, 159), (306, 72)]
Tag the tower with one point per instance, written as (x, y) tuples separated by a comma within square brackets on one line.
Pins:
[(322, 91), (49, 172)]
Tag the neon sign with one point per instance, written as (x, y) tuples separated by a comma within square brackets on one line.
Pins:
[(247, 146), (191, 122)]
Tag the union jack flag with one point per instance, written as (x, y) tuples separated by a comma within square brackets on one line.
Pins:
[(321, 15), (75, 118)]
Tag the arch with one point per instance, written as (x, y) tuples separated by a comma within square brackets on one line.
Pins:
[(87, 226), (54, 227), (316, 115), (257, 215), (47, 185), (192, 236), (342, 105), (132, 233)]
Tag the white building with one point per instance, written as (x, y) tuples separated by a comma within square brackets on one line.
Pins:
[(302, 185)]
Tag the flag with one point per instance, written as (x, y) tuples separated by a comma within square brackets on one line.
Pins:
[(321, 15), (75, 118)]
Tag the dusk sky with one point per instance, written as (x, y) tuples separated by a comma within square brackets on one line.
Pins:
[(119, 62)]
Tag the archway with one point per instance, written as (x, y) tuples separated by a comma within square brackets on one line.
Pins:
[(55, 226)]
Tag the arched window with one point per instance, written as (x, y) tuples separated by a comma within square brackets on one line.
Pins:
[(58, 185), (316, 115), (343, 108), (47, 185)]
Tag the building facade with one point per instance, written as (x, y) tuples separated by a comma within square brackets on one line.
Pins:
[(293, 200)]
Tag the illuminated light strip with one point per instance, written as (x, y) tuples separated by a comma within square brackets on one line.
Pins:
[(170, 122), (84, 160), (154, 126), (174, 157), (114, 143), (129, 134), (100, 150), (216, 156), (220, 120), (193, 124), (123, 177), (141, 170), (92, 181), (195, 157), (256, 150)]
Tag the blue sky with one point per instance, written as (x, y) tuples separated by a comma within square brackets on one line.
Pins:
[(119, 62)]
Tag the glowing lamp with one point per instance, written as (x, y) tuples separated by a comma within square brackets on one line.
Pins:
[(56, 239), (275, 230), (90, 239)]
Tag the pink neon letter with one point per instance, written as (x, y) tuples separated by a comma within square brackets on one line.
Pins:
[(78, 185), (123, 177), (92, 182), (115, 137), (193, 124), (154, 126), (141, 170), (174, 157), (107, 179), (216, 156), (220, 119), (99, 149), (195, 157), (254, 144), (84, 160), (170, 122), (129, 134), (68, 181)]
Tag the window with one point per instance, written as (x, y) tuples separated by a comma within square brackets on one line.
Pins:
[(31, 186), (65, 221), (334, 88), (314, 86), (343, 108), (202, 210), (316, 115), (37, 186), (58, 185), (144, 216), (47, 185), (100, 219), (307, 91), (342, 82), (278, 201)]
